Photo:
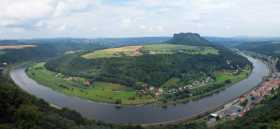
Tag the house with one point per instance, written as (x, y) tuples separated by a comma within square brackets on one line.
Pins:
[(180, 89), (195, 83), (160, 90), (157, 94), (87, 83), (242, 99), (214, 115)]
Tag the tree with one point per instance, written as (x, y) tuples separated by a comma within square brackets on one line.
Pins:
[(27, 116), (228, 81)]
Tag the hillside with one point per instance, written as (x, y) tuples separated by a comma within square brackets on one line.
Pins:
[(267, 48), (176, 70), (189, 39), (264, 47)]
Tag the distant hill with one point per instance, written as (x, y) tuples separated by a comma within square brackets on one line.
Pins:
[(189, 39), (108, 42), (240, 41), (269, 48)]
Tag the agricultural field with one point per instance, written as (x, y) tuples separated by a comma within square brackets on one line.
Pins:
[(172, 48), (4, 47), (77, 86), (114, 52), (151, 49)]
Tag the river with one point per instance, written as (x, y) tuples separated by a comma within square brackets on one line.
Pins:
[(147, 114)]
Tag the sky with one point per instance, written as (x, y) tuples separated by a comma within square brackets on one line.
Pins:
[(137, 18)]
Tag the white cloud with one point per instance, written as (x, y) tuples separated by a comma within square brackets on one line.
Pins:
[(66, 7), (17, 11), (27, 9), (100, 18)]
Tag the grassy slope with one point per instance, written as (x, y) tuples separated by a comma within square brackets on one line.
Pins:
[(172, 48), (98, 91), (221, 77)]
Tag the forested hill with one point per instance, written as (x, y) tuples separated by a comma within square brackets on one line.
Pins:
[(181, 57), (189, 39)]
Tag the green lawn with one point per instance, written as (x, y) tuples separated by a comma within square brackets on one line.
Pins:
[(97, 91), (150, 49), (222, 76)]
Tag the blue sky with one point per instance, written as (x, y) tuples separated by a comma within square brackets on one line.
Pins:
[(136, 18)]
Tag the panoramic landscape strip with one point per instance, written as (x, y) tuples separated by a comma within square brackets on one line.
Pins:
[(139, 64)]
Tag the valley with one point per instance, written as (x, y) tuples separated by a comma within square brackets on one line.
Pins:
[(139, 64), (100, 100), (149, 114)]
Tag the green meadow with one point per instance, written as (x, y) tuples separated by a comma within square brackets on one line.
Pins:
[(97, 91)]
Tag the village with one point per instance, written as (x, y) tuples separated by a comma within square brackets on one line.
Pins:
[(240, 106), (206, 81), (158, 91)]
